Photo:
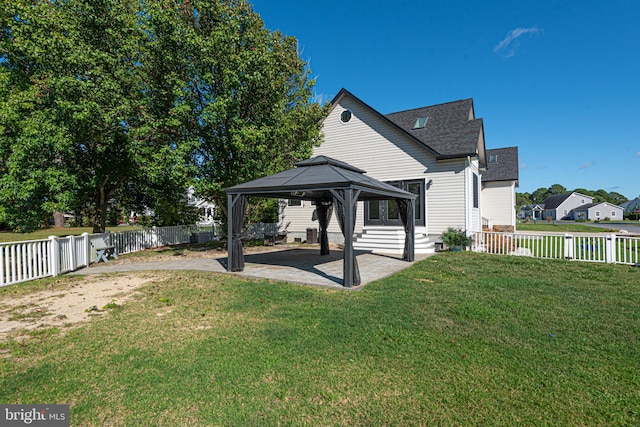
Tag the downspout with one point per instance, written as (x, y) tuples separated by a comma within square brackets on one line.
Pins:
[(468, 203)]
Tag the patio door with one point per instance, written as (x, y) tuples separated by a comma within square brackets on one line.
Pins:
[(385, 212)]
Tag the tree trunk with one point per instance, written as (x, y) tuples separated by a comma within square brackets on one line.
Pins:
[(58, 219), (100, 222)]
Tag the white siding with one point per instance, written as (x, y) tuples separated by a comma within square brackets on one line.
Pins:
[(385, 153), (498, 202), (446, 205)]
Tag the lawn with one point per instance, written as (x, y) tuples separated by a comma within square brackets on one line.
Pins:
[(570, 227), (6, 236), (456, 339)]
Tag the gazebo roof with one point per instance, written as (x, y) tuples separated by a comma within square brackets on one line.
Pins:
[(313, 179)]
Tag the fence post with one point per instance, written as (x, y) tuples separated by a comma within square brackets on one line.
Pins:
[(568, 246), (54, 256), (72, 253), (612, 256), (87, 249)]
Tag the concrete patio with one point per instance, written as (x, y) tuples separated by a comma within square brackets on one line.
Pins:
[(295, 265)]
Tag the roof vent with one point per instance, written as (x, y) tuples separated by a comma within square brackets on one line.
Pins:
[(421, 122)]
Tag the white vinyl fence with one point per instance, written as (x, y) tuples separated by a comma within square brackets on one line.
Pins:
[(609, 248), (35, 259)]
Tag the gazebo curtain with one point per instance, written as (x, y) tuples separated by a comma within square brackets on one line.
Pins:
[(237, 257), (340, 214), (324, 210), (407, 212)]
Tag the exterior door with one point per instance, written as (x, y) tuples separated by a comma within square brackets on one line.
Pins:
[(385, 212)]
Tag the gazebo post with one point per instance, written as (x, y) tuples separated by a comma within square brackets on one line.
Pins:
[(348, 240), (229, 229)]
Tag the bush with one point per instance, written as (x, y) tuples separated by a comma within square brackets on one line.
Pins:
[(456, 237)]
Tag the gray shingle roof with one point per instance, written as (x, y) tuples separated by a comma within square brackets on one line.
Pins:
[(552, 202), (313, 179), (506, 166), (448, 131)]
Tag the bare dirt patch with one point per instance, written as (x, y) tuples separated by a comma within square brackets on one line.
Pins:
[(72, 305)]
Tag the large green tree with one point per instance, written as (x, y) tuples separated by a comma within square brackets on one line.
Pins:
[(247, 95), (101, 96), (72, 93)]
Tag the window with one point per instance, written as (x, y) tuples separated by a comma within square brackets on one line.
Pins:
[(613, 213), (597, 214), (345, 116), (493, 158), (476, 203), (582, 202), (565, 212), (420, 122), (295, 202)]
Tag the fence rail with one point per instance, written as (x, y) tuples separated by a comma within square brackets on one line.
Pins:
[(609, 248), (36, 259)]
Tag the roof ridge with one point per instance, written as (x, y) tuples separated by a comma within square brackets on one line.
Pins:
[(429, 106)]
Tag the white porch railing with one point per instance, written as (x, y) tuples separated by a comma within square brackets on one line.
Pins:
[(35, 259), (609, 248)]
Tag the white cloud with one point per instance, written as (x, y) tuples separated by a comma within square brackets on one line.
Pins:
[(508, 46), (586, 165), (638, 154), (524, 166)]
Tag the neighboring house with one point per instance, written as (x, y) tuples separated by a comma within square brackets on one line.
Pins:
[(533, 211), (631, 207), (206, 209), (499, 184), (559, 206), (436, 152), (597, 211)]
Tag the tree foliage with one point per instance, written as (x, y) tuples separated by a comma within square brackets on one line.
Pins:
[(128, 102), (247, 93), (539, 195)]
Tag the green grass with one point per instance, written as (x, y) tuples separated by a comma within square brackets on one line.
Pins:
[(60, 232), (457, 339), (561, 227)]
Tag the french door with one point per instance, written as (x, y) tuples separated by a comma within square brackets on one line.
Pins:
[(385, 212)]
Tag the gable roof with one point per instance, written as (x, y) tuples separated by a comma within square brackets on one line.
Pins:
[(631, 203), (552, 202), (451, 131), (590, 205), (505, 168)]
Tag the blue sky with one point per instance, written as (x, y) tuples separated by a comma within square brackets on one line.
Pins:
[(558, 79)]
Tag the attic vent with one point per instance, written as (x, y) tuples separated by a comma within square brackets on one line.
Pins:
[(493, 158), (421, 122), (345, 116)]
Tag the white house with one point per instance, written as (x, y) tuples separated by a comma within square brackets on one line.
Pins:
[(436, 152), (559, 206), (597, 211)]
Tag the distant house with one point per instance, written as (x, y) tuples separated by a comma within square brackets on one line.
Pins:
[(206, 209), (533, 211), (632, 207), (559, 206), (575, 206), (597, 211), (499, 184)]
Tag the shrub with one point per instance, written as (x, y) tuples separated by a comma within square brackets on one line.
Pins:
[(456, 237)]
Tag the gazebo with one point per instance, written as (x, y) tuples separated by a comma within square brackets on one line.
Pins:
[(329, 183)]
